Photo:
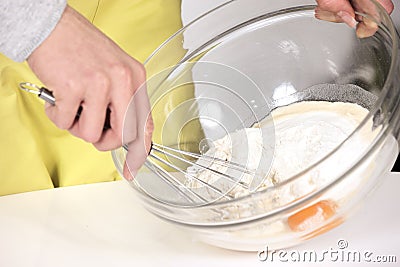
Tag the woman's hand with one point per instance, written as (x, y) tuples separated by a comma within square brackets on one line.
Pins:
[(84, 68), (344, 11)]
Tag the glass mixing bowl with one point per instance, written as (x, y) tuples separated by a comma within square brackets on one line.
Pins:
[(228, 69)]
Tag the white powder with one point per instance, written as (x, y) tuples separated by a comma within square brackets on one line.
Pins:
[(305, 133), (298, 136)]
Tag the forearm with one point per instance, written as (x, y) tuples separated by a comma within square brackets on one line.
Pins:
[(24, 24)]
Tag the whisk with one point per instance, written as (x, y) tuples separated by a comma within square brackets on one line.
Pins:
[(184, 179)]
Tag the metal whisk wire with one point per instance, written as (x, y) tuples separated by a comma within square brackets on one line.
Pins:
[(153, 163)]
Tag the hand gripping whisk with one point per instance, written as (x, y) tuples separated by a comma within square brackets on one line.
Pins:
[(182, 170)]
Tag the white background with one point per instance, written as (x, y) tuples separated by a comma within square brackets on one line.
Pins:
[(194, 8)]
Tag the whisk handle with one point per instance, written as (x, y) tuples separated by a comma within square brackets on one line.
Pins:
[(48, 96)]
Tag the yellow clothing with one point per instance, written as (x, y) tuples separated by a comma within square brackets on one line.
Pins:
[(35, 154)]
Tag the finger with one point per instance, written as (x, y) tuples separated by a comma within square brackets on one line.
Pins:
[(148, 133), (109, 141), (126, 80), (143, 117), (91, 120), (341, 16), (129, 133), (366, 8), (138, 151), (325, 15), (127, 173), (367, 13), (135, 158), (366, 28), (139, 148), (336, 11), (111, 137), (347, 18), (388, 5), (63, 112), (335, 6)]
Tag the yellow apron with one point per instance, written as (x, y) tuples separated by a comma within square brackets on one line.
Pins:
[(37, 155)]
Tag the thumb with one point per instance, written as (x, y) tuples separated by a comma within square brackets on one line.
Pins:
[(336, 11)]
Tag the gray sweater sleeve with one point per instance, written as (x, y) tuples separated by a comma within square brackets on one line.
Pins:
[(25, 24)]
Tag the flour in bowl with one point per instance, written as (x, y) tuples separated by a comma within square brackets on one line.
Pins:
[(304, 133)]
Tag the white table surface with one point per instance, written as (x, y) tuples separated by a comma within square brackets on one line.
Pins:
[(104, 225)]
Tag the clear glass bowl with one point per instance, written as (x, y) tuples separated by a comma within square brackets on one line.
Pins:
[(269, 54)]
